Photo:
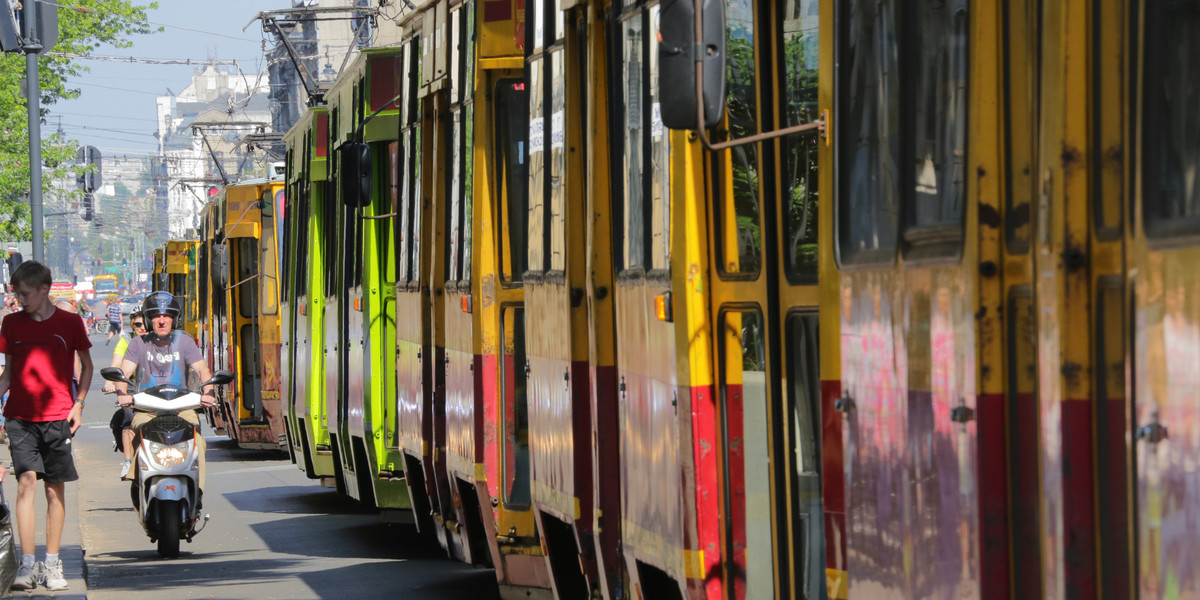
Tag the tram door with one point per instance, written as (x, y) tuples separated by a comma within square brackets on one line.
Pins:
[(1165, 291), (764, 296)]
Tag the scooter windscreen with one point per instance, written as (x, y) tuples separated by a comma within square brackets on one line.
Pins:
[(168, 429), (167, 391)]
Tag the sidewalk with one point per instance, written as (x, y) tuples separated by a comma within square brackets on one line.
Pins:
[(71, 551)]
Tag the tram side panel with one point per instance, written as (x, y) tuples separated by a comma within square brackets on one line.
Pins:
[(414, 373), (1165, 301), (559, 408)]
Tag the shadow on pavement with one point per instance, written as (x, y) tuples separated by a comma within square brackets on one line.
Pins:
[(416, 580), (223, 449), (297, 500), (145, 571)]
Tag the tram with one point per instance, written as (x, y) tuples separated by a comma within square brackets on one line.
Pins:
[(302, 278), (177, 274), (241, 300), (914, 322)]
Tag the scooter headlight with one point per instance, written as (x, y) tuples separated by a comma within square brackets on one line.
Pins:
[(169, 455)]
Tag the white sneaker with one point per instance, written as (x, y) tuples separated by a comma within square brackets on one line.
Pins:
[(52, 576), (27, 576), (125, 469)]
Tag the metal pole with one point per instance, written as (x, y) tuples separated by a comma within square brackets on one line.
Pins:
[(33, 96)]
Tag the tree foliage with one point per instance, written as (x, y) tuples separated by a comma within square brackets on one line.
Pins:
[(84, 25)]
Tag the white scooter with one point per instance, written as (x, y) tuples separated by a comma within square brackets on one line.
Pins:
[(166, 488)]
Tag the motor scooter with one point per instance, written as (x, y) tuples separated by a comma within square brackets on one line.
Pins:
[(166, 486)]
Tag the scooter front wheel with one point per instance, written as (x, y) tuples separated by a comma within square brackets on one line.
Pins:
[(170, 517)]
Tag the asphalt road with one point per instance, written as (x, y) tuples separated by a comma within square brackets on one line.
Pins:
[(273, 533)]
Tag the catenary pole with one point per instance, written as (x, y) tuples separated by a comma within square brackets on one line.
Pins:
[(33, 97)]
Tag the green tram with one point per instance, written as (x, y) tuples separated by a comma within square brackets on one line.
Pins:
[(303, 298), (340, 299)]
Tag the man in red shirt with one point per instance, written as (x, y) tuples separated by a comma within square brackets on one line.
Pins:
[(40, 344)]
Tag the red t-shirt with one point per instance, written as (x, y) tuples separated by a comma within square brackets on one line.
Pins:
[(41, 357)]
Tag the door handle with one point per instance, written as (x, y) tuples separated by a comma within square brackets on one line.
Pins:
[(844, 404), (962, 413), (1153, 432)]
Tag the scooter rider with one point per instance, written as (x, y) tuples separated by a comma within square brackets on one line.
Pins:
[(164, 356)]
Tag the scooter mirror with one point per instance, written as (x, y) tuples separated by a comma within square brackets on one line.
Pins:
[(221, 377), (114, 374)]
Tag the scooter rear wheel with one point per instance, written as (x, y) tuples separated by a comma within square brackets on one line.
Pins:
[(170, 517)]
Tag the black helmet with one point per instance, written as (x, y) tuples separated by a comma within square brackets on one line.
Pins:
[(160, 303)]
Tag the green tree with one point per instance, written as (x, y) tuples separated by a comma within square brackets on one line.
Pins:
[(84, 25)]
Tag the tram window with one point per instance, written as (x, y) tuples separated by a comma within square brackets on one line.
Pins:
[(1020, 144), (804, 425), (516, 410), (455, 200), (267, 281), (799, 33), (329, 236), (202, 266), (869, 144), (247, 267), (405, 272), (633, 209), (660, 168), (353, 254), (178, 285), (558, 162), (468, 170), (740, 249), (511, 145), (1171, 135), (301, 239), (468, 141), (391, 181), (746, 435), (414, 195), (936, 132), (537, 166), (250, 370), (285, 286), (804, 385), (456, 84)]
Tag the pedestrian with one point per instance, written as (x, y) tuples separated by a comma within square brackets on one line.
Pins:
[(138, 323), (40, 345), (114, 320)]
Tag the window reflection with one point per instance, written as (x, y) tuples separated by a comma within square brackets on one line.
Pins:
[(745, 256), (1172, 123), (936, 83), (801, 26), (634, 231), (516, 411), (869, 142)]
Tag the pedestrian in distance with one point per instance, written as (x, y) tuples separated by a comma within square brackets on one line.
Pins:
[(114, 320), (41, 344)]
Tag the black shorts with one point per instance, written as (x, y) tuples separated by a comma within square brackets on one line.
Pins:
[(42, 447), (114, 327)]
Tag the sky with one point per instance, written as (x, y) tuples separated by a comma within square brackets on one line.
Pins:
[(116, 110)]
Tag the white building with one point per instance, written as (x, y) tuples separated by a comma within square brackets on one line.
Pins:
[(200, 132)]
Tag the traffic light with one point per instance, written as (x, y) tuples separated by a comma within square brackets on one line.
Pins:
[(10, 34)]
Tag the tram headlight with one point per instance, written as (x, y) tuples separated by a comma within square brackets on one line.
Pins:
[(168, 455)]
